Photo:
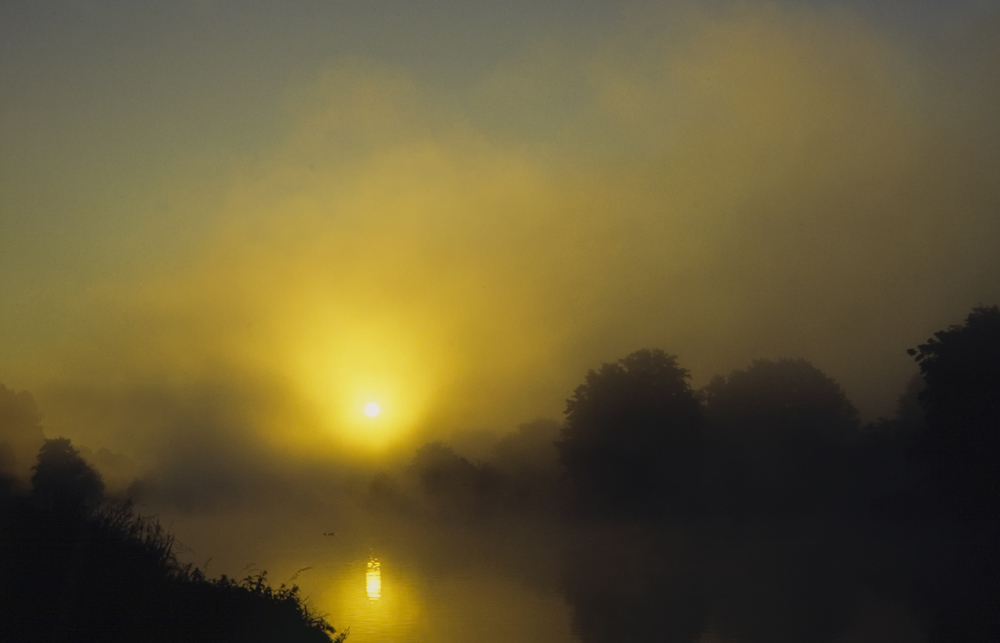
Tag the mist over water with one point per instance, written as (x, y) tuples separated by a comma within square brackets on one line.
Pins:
[(794, 580), (779, 518), (561, 321), (757, 508)]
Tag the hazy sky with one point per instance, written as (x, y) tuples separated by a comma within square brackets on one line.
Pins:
[(240, 221)]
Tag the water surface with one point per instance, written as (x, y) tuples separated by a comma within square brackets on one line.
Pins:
[(818, 580)]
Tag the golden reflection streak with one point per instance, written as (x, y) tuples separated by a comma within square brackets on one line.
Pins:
[(373, 579)]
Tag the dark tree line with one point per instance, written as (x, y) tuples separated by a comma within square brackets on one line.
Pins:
[(776, 439), (522, 477), (781, 438), (634, 437), (959, 442), (830, 530), (639, 442)]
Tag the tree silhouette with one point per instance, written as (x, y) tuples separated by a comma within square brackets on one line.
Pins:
[(452, 485), (909, 411), (788, 396), (780, 431), (961, 440), (631, 444), (63, 481)]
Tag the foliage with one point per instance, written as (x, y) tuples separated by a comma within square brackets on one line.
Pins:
[(63, 480), (450, 486), (788, 396), (70, 573), (631, 444), (522, 476), (265, 613), (780, 432), (960, 444), (961, 369), (440, 470)]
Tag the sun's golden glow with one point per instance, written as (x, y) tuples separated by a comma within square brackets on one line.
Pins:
[(372, 409), (366, 361)]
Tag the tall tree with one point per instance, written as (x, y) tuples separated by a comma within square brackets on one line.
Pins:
[(779, 430), (788, 396), (631, 444), (961, 400)]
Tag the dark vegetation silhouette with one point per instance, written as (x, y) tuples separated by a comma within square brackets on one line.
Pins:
[(779, 440), (633, 443), (439, 484), (63, 482), (829, 529), (452, 484), (759, 508), (959, 443), (72, 571), (521, 478)]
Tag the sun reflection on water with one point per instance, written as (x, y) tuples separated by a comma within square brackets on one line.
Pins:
[(373, 579), (421, 602)]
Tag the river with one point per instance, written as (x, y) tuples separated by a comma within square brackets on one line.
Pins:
[(821, 580)]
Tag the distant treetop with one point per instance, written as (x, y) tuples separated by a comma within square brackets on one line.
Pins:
[(632, 436), (961, 369), (787, 395), (63, 480)]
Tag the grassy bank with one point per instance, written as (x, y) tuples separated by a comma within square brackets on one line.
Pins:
[(111, 575)]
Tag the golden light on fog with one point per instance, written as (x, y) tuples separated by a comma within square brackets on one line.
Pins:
[(360, 373)]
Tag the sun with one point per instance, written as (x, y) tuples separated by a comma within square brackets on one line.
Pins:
[(372, 409)]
